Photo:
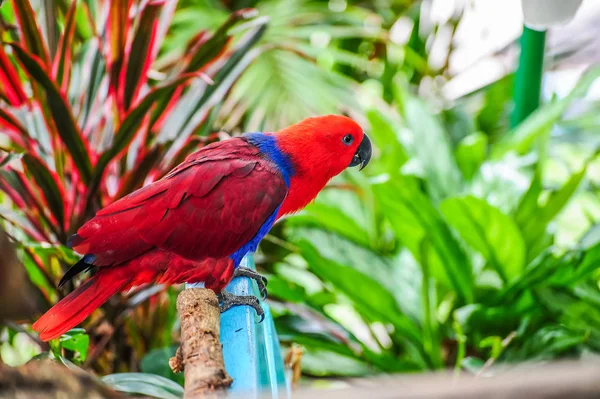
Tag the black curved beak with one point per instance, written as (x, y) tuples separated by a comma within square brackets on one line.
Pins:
[(362, 156)]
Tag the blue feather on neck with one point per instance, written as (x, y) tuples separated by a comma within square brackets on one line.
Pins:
[(268, 146)]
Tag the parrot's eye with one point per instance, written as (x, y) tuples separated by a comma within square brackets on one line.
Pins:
[(347, 139)]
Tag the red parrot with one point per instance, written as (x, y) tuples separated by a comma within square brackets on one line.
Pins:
[(199, 221)]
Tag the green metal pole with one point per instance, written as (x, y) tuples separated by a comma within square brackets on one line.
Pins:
[(528, 79)]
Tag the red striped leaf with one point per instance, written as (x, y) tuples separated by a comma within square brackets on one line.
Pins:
[(134, 179), (47, 184), (14, 129), (10, 82), (61, 113), (19, 191), (139, 53), (131, 124), (117, 28), (61, 67), (30, 31), (214, 47), (203, 53)]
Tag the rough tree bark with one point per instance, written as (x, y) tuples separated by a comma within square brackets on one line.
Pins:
[(47, 379), (200, 354)]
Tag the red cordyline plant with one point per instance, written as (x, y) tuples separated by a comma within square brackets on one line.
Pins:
[(87, 114)]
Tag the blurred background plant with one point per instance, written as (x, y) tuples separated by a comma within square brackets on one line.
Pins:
[(465, 243)]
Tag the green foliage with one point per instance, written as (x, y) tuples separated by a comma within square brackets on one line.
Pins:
[(144, 384), (91, 122), (77, 341), (452, 249), (469, 273)]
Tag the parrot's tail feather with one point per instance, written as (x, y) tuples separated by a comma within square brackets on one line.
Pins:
[(79, 304), (83, 265)]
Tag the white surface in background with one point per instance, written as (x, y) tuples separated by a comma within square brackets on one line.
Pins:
[(544, 14), (484, 44)]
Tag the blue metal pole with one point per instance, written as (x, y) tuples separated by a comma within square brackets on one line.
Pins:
[(251, 351)]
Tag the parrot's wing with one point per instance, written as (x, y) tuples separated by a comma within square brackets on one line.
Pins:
[(208, 207)]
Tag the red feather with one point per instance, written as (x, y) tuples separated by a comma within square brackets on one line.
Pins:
[(186, 226), (207, 207), (182, 228)]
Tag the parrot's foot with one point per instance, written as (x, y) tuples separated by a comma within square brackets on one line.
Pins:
[(228, 300), (261, 281)]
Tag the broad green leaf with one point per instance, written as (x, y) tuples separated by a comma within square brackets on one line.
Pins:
[(489, 231), (78, 341), (539, 123), (384, 134), (470, 153), (428, 144), (286, 290), (413, 218), (369, 296), (322, 363), (144, 384), (549, 342), (157, 362), (30, 32), (533, 218), (589, 262), (332, 219), (557, 270), (61, 113), (499, 319), (578, 309), (400, 275)]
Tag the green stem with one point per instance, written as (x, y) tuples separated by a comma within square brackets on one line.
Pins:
[(528, 79)]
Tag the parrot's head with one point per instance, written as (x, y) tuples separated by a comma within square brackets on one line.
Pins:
[(325, 145), (319, 149)]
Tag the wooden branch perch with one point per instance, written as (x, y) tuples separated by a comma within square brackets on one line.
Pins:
[(200, 354)]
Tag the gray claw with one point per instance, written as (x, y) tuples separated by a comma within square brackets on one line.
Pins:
[(261, 281), (228, 300)]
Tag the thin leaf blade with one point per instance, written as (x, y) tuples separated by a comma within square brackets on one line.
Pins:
[(61, 113), (10, 83), (139, 54), (47, 183), (30, 31), (61, 67)]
